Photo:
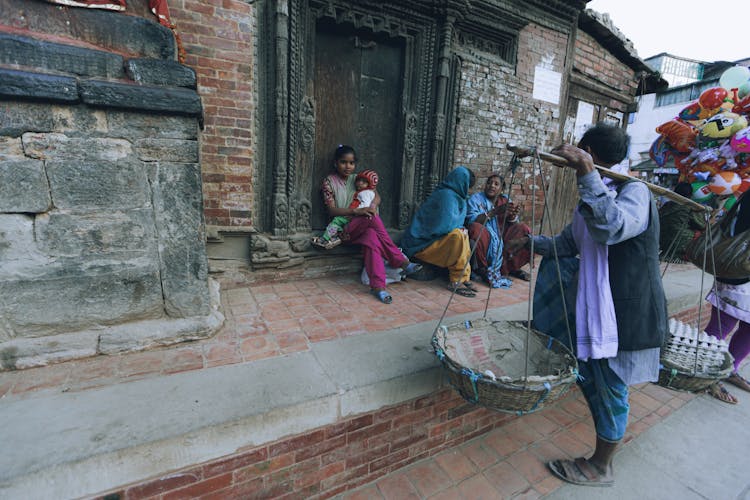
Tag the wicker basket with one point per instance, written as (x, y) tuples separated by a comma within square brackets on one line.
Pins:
[(486, 361), (687, 379), (692, 361)]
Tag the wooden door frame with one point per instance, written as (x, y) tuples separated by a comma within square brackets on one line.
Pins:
[(285, 183)]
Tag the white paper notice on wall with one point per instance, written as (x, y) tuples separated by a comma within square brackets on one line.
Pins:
[(547, 85), (584, 119)]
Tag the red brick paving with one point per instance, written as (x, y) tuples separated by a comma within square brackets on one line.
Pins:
[(272, 320), (268, 320)]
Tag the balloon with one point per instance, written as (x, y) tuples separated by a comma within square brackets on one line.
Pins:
[(660, 151), (729, 203), (713, 97), (743, 90), (734, 77), (742, 107), (723, 125), (740, 141), (701, 193), (679, 135), (694, 111), (724, 183)]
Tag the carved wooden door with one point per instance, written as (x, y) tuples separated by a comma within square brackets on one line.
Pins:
[(358, 93)]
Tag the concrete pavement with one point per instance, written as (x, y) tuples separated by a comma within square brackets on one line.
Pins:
[(698, 452)]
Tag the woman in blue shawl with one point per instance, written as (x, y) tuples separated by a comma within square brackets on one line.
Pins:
[(485, 230), (436, 234)]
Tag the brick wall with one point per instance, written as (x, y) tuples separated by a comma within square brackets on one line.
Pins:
[(598, 64), (496, 109), (218, 40), (329, 460)]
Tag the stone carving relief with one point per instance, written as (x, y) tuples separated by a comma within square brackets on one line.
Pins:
[(411, 136), (307, 124), (304, 208), (281, 212)]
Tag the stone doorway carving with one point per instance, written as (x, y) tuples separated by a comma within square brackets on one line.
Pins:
[(291, 165)]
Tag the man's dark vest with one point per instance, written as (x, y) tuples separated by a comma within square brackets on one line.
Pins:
[(635, 281)]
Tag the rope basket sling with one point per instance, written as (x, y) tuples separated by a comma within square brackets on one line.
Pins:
[(504, 366), (693, 361), (494, 351)]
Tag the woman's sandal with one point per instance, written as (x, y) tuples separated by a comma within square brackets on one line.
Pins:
[(738, 380), (721, 393), (461, 290), (382, 296), (411, 268)]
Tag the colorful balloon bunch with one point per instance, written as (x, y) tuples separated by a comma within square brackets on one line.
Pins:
[(709, 141)]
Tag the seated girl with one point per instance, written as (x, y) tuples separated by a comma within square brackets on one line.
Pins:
[(365, 182), (365, 227)]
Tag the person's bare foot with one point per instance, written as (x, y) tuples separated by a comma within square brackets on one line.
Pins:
[(581, 472)]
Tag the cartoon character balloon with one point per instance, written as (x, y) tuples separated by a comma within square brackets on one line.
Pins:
[(723, 125), (678, 134), (694, 111), (740, 141), (660, 151), (713, 97), (742, 107)]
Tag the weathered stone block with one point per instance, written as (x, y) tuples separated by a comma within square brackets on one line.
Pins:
[(11, 147), (77, 295), (19, 117), (98, 184), (179, 223), (133, 125), (58, 57), (123, 234), (17, 354), (23, 186), (121, 95), (167, 150), (18, 251), (109, 30), (14, 84), (79, 121), (160, 72), (59, 146)]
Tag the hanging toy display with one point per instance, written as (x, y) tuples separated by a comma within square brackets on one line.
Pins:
[(709, 140)]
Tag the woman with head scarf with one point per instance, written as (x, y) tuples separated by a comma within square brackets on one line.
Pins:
[(437, 235)]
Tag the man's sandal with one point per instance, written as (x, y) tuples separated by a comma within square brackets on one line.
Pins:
[(382, 296), (721, 393), (470, 286), (579, 471)]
